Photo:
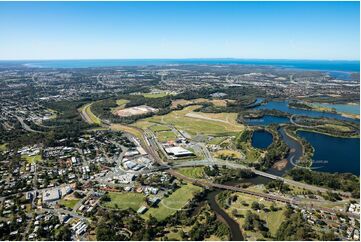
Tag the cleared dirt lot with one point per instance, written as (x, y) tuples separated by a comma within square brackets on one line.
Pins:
[(139, 110)]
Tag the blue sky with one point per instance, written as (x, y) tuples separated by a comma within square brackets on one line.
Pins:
[(263, 30)]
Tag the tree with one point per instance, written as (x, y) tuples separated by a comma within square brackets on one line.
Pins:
[(248, 221), (255, 206), (63, 234), (328, 236)]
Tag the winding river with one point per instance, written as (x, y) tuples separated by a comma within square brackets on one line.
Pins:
[(236, 233)]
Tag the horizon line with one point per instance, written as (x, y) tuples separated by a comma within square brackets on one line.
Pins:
[(190, 58)]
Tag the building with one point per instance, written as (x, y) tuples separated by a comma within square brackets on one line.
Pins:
[(51, 195), (142, 209), (126, 178), (178, 151), (129, 164)]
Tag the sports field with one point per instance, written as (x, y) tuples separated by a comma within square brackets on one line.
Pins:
[(176, 201), (121, 200)]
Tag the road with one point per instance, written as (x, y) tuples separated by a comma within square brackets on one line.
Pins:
[(25, 126), (85, 115)]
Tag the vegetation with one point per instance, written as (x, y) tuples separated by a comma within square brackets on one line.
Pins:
[(32, 159), (327, 126), (69, 203), (228, 154), (342, 181), (155, 95), (88, 111), (259, 219), (276, 151), (194, 125), (193, 172), (294, 228), (225, 174), (243, 143), (164, 136), (119, 225), (120, 200), (175, 201)]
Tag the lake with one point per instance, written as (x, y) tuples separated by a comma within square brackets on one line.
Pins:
[(261, 139), (283, 106), (267, 119), (334, 154), (344, 108)]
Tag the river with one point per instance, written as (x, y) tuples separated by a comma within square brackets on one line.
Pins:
[(236, 233)]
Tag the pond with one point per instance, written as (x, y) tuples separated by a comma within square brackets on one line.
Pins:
[(261, 139), (333, 154)]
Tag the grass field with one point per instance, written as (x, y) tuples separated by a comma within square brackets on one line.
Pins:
[(120, 200), (272, 218), (3, 147), (32, 159), (54, 113), (337, 127), (121, 102), (217, 140), (159, 127), (216, 102), (228, 153), (121, 105), (193, 172), (221, 124), (164, 136), (155, 95), (177, 200), (69, 203), (128, 129)]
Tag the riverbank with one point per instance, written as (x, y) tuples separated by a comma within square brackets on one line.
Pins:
[(235, 230)]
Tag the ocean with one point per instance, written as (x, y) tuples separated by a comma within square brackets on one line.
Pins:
[(334, 67)]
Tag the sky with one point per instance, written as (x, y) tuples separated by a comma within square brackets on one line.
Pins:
[(128, 30)]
